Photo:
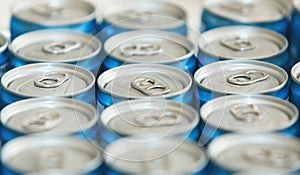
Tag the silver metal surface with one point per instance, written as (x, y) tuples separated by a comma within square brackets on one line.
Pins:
[(249, 113), (295, 73), (54, 12)]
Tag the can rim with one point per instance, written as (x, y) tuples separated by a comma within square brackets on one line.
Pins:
[(13, 147), (198, 79), (108, 114), (108, 75), (19, 5), (27, 38), (10, 110), (5, 44), (295, 73), (246, 29), (263, 98), (124, 37), (107, 15), (76, 70)]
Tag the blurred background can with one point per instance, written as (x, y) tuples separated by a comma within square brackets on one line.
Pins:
[(33, 15)]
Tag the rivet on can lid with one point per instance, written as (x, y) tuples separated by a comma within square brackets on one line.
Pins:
[(247, 77), (149, 85), (238, 44), (51, 79)]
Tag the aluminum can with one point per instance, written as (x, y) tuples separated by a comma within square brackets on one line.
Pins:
[(143, 81), (295, 85), (249, 113), (41, 155), (47, 80), (244, 43), (4, 65), (267, 153), (163, 156), (241, 77), (294, 38), (49, 116), (158, 118), (56, 46), (146, 14), (152, 47), (33, 15), (271, 14)]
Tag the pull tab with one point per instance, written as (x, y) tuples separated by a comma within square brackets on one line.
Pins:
[(140, 49), (61, 47), (149, 86), (279, 158), (50, 158), (247, 77), (48, 10), (140, 15), (239, 7), (246, 112), (51, 80), (167, 119), (42, 121), (238, 44)]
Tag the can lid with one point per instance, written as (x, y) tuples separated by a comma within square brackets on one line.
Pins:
[(48, 79), (65, 154), (3, 43), (53, 116), (54, 12), (295, 73), (240, 77), (158, 118), (249, 113), (247, 11), (242, 42), (149, 46), (55, 46), (145, 80), (248, 152), (146, 14), (162, 155)]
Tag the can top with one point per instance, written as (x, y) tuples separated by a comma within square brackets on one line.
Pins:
[(55, 46), (242, 42), (146, 14), (149, 46), (54, 12), (295, 73), (249, 113), (162, 155), (158, 118), (30, 154), (240, 77), (3, 43), (249, 11), (268, 152), (52, 116), (48, 79), (145, 80)]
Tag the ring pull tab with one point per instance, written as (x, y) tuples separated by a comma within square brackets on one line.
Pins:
[(136, 14), (48, 10), (167, 119), (61, 47), (247, 77), (42, 121), (51, 158), (238, 44), (239, 7), (51, 80), (248, 113), (149, 86), (140, 49), (278, 158)]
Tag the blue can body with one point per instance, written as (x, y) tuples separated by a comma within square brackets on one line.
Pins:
[(211, 21), (19, 27), (294, 37)]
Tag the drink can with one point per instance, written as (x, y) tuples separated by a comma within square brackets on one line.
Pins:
[(47, 80), (152, 47), (295, 85), (56, 46), (294, 37), (33, 15)]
